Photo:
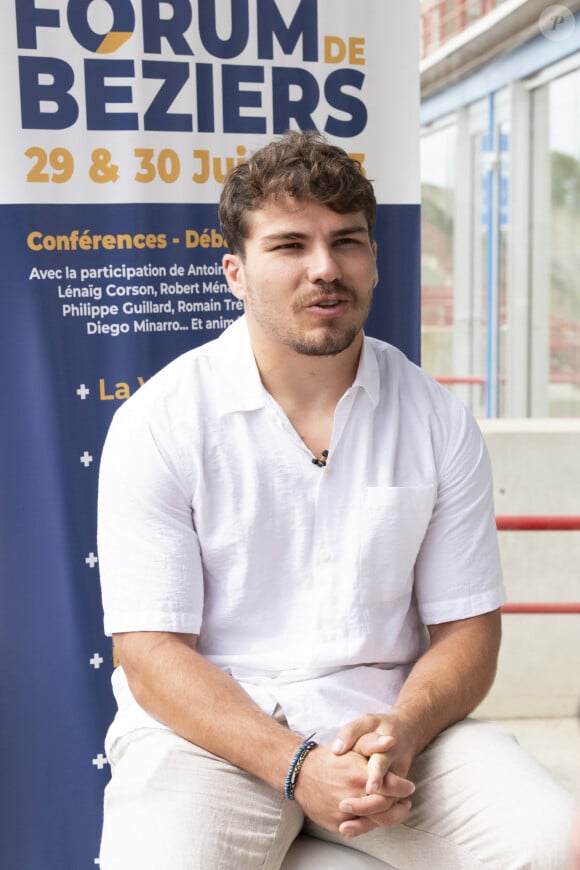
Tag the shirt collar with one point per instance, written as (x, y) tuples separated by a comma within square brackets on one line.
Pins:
[(368, 376), (240, 386)]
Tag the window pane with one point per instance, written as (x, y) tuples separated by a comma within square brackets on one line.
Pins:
[(437, 254), (503, 225), (557, 153)]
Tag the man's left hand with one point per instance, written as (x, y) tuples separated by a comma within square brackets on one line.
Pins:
[(380, 739)]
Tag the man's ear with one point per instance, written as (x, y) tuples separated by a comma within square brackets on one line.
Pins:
[(233, 266)]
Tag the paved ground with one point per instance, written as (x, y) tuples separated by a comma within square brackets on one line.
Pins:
[(554, 742)]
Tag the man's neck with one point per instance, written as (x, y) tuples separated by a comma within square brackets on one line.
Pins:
[(302, 383)]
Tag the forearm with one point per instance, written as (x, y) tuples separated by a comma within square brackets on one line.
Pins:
[(200, 702), (450, 679), (204, 705)]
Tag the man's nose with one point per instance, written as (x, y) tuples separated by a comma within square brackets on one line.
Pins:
[(323, 265)]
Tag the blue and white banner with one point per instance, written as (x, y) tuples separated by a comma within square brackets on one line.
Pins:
[(119, 120)]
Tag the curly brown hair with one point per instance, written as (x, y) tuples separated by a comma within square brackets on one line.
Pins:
[(303, 165)]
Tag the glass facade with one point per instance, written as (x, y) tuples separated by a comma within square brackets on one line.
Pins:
[(465, 222), (437, 247), (441, 20), (556, 240), (501, 248)]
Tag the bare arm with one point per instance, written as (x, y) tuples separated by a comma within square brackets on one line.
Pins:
[(445, 685), (178, 686), (450, 679)]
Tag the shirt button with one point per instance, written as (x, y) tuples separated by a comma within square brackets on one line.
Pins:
[(325, 555)]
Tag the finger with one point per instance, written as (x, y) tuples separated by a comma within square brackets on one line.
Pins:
[(397, 786), (366, 744), (398, 813), (378, 768), (353, 731), (371, 804), (367, 805), (381, 779), (355, 827), (374, 742)]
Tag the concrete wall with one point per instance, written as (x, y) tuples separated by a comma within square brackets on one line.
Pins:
[(536, 465)]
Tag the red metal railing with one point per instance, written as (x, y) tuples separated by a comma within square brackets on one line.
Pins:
[(536, 523), (443, 19), (474, 380), (452, 380)]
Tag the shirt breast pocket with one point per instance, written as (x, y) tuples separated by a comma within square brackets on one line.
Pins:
[(394, 520)]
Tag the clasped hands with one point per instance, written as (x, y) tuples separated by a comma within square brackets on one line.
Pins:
[(359, 781)]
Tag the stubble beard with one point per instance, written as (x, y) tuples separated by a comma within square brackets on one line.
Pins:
[(330, 339), (326, 339), (328, 344)]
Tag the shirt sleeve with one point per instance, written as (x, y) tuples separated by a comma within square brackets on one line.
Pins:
[(149, 555), (458, 570)]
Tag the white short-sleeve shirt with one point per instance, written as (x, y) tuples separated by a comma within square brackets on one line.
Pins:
[(310, 586)]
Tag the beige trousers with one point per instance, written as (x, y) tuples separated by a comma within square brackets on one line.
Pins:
[(481, 802)]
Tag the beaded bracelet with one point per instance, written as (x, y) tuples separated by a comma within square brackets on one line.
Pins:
[(296, 764)]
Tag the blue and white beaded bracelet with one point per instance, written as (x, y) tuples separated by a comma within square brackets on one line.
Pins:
[(298, 760)]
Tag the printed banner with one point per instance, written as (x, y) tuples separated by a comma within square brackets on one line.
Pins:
[(120, 119)]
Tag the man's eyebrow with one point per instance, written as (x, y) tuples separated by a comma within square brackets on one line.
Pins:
[(351, 231), (295, 234), (284, 234)]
